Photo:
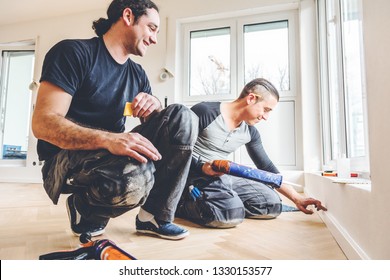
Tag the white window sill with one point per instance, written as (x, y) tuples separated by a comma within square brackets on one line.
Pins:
[(12, 163), (361, 183)]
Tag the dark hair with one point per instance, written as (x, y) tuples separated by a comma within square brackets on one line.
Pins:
[(257, 86), (115, 10)]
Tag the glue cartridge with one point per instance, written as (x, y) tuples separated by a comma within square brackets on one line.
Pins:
[(243, 171)]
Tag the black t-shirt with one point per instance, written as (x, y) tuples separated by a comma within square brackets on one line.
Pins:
[(99, 86)]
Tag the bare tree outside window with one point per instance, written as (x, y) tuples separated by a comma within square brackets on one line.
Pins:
[(266, 53), (210, 62)]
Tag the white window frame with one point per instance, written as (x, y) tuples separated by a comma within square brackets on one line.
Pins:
[(187, 29), (291, 17), (27, 45), (236, 24), (360, 164)]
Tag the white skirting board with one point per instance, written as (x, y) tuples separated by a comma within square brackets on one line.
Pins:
[(350, 248)]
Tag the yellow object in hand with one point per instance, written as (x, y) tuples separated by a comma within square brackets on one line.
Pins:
[(128, 111)]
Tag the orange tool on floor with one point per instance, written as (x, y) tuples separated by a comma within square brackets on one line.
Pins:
[(102, 249)]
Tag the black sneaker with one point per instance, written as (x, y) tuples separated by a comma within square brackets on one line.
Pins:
[(78, 224), (162, 229)]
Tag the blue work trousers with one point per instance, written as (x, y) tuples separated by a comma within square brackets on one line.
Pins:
[(225, 201)]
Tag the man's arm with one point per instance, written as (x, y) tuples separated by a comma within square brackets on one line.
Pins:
[(49, 124), (300, 201), (262, 161)]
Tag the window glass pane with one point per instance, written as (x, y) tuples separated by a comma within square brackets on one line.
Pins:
[(266, 53), (342, 78), (15, 103), (334, 81), (210, 62), (352, 42)]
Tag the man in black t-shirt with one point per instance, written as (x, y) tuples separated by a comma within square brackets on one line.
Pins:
[(78, 119)]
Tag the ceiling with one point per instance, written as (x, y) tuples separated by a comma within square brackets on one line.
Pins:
[(13, 11)]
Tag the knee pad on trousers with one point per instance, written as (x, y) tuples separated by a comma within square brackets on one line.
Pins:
[(121, 184), (264, 210)]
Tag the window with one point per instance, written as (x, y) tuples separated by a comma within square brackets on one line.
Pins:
[(15, 100), (266, 55), (342, 82), (210, 62), (265, 51), (221, 56), (209, 65)]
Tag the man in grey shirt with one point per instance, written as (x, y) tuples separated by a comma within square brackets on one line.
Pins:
[(218, 200)]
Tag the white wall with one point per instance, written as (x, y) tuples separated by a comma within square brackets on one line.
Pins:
[(309, 87), (357, 217), (377, 45)]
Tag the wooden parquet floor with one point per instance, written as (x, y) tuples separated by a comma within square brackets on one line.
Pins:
[(30, 225)]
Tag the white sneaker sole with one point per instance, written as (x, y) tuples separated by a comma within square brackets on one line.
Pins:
[(170, 237), (93, 234)]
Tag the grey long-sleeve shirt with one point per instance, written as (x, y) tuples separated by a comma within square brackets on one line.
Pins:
[(216, 141)]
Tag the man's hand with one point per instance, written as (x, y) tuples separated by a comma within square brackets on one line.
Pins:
[(133, 145), (300, 201), (208, 170), (305, 202), (144, 104)]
